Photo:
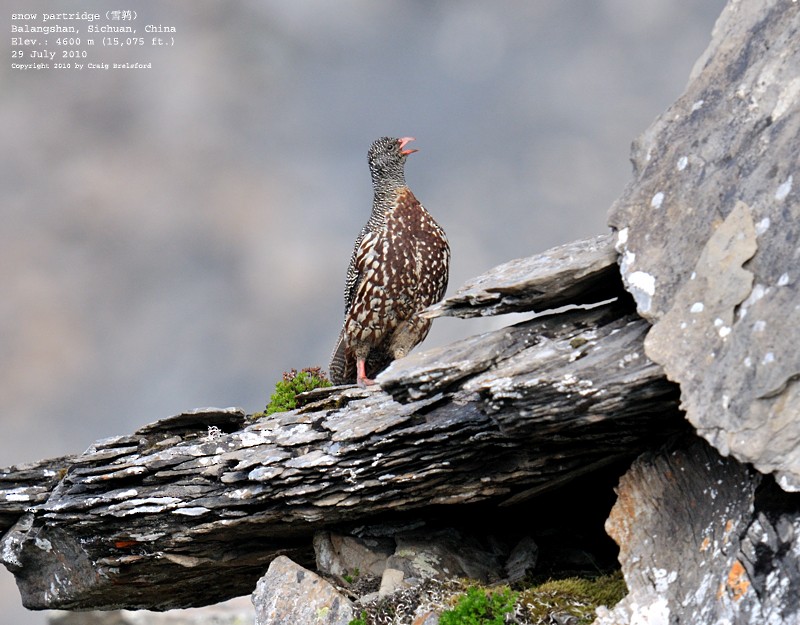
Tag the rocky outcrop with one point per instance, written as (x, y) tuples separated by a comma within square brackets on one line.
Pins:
[(708, 231), (704, 539), (211, 496)]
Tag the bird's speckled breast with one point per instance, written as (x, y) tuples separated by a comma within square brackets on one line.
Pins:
[(403, 268)]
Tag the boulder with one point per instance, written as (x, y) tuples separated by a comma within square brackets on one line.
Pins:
[(288, 594), (704, 539), (708, 231)]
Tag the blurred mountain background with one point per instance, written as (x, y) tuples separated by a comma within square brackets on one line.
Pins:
[(178, 237)]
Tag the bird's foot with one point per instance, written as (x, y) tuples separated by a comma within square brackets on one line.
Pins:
[(361, 374), (365, 382)]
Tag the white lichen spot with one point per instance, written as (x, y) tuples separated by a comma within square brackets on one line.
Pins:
[(643, 282), (662, 579), (758, 291), (628, 359), (748, 362), (214, 432), (759, 326), (643, 287), (683, 161), (628, 258), (762, 226), (783, 280), (784, 189), (787, 99), (697, 105), (655, 613), (769, 357), (43, 544), (697, 307), (724, 331), (718, 322), (657, 200), (622, 239), (693, 276), (726, 401)]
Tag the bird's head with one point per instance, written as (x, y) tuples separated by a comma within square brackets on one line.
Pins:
[(387, 158)]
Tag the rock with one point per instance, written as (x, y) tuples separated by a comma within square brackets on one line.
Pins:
[(429, 618), (582, 272), (522, 560), (703, 539), (445, 554), (708, 232), (289, 594), (340, 555), (391, 581), (413, 555), (27, 485), (499, 418)]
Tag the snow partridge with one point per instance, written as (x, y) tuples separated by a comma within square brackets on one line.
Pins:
[(399, 267)]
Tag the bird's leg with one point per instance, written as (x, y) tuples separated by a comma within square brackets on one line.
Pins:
[(361, 374)]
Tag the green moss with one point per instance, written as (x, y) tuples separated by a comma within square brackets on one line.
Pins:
[(351, 576), (480, 607), (294, 382), (574, 595), (578, 341)]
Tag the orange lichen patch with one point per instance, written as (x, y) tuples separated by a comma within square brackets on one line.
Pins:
[(737, 581), (125, 544), (728, 526), (623, 513), (705, 544)]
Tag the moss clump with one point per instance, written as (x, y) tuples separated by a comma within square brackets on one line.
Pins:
[(575, 596), (480, 607), (295, 382)]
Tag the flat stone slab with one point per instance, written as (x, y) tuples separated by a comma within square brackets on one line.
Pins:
[(581, 272)]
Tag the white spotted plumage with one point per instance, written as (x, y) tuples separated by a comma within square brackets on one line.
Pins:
[(399, 266)]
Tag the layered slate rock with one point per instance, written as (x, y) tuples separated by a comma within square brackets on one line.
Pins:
[(211, 497), (704, 539), (581, 272), (27, 485), (709, 229)]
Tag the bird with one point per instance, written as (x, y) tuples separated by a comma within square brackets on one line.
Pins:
[(399, 266)]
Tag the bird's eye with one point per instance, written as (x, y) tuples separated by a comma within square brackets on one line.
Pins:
[(390, 147)]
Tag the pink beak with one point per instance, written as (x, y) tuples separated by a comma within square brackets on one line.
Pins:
[(403, 143)]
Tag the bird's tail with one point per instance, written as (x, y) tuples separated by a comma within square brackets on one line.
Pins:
[(336, 370)]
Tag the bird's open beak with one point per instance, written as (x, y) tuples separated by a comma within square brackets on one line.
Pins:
[(403, 143)]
